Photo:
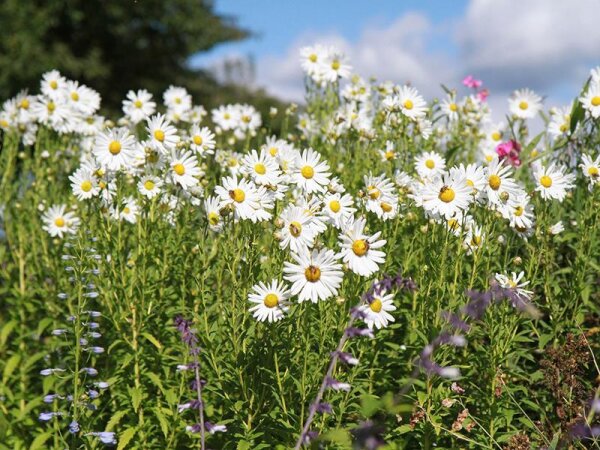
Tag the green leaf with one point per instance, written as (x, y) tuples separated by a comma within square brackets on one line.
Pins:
[(243, 445), (162, 420), (115, 419), (125, 437), (6, 330), (339, 436), (136, 397), (156, 381), (39, 441), (152, 339), (10, 367)]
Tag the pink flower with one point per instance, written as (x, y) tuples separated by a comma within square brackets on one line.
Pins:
[(509, 150), (471, 82), (483, 95)]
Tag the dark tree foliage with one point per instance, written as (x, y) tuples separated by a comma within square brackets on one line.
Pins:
[(112, 45)]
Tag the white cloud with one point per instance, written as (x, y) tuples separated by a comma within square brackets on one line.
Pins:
[(535, 43), (548, 45), (397, 52)]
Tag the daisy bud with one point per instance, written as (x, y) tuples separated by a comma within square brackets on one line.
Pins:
[(340, 300), (504, 196), (517, 261), (424, 229)]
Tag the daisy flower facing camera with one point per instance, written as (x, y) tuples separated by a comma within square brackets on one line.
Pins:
[(359, 250), (315, 275), (270, 301), (525, 104), (553, 182), (311, 174), (447, 195), (115, 149), (376, 313), (58, 222)]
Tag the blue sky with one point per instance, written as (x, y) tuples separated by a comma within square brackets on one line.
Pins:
[(546, 45), (277, 24)]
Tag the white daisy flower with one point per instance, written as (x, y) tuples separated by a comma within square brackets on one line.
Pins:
[(84, 184), (338, 208), (202, 140), (359, 250), (262, 168), (58, 222), (560, 121), (553, 182), (312, 58), (149, 186), (557, 228), (519, 211), (184, 169), (514, 282), (297, 232), (429, 164), (591, 100), (315, 275), (239, 194), (162, 135), (213, 213), (377, 312), (138, 106), (271, 301), (310, 173), (378, 190), (446, 195), (411, 103), (525, 104), (474, 176), (53, 84), (591, 169), (114, 149), (500, 186), (334, 66), (450, 108), (177, 98)]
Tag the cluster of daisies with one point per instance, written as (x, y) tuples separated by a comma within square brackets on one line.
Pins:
[(164, 156)]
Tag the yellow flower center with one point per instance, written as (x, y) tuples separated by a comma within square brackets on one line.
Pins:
[(534, 153), (376, 305), (312, 274), (523, 105), (179, 169), (430, 164), (75, 96), (453, 107), (307, 172), (59, 222), (213, 218), (126, 210), (149, 185), (226, 116), (24, 104), (271, 301), (494, 181), (470, 183), (177, 100), (335, 206), (519, 211), (51, 106), (114, 147), (295, 229), (246, 119), (360, 247), (3, 123), (335, 65), (312, 58), (446, 194), (237, 195), (374, 193), (389, 155), (273, 151), (593, 171), (563, 128), (159, 135), (453, 224), (408, 104), (386, 207), (546, 181), (137, 104), (197, 140), (476, 240), (53, 84), (496, 136), (596, 100), (86, 186), (260, 168)]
